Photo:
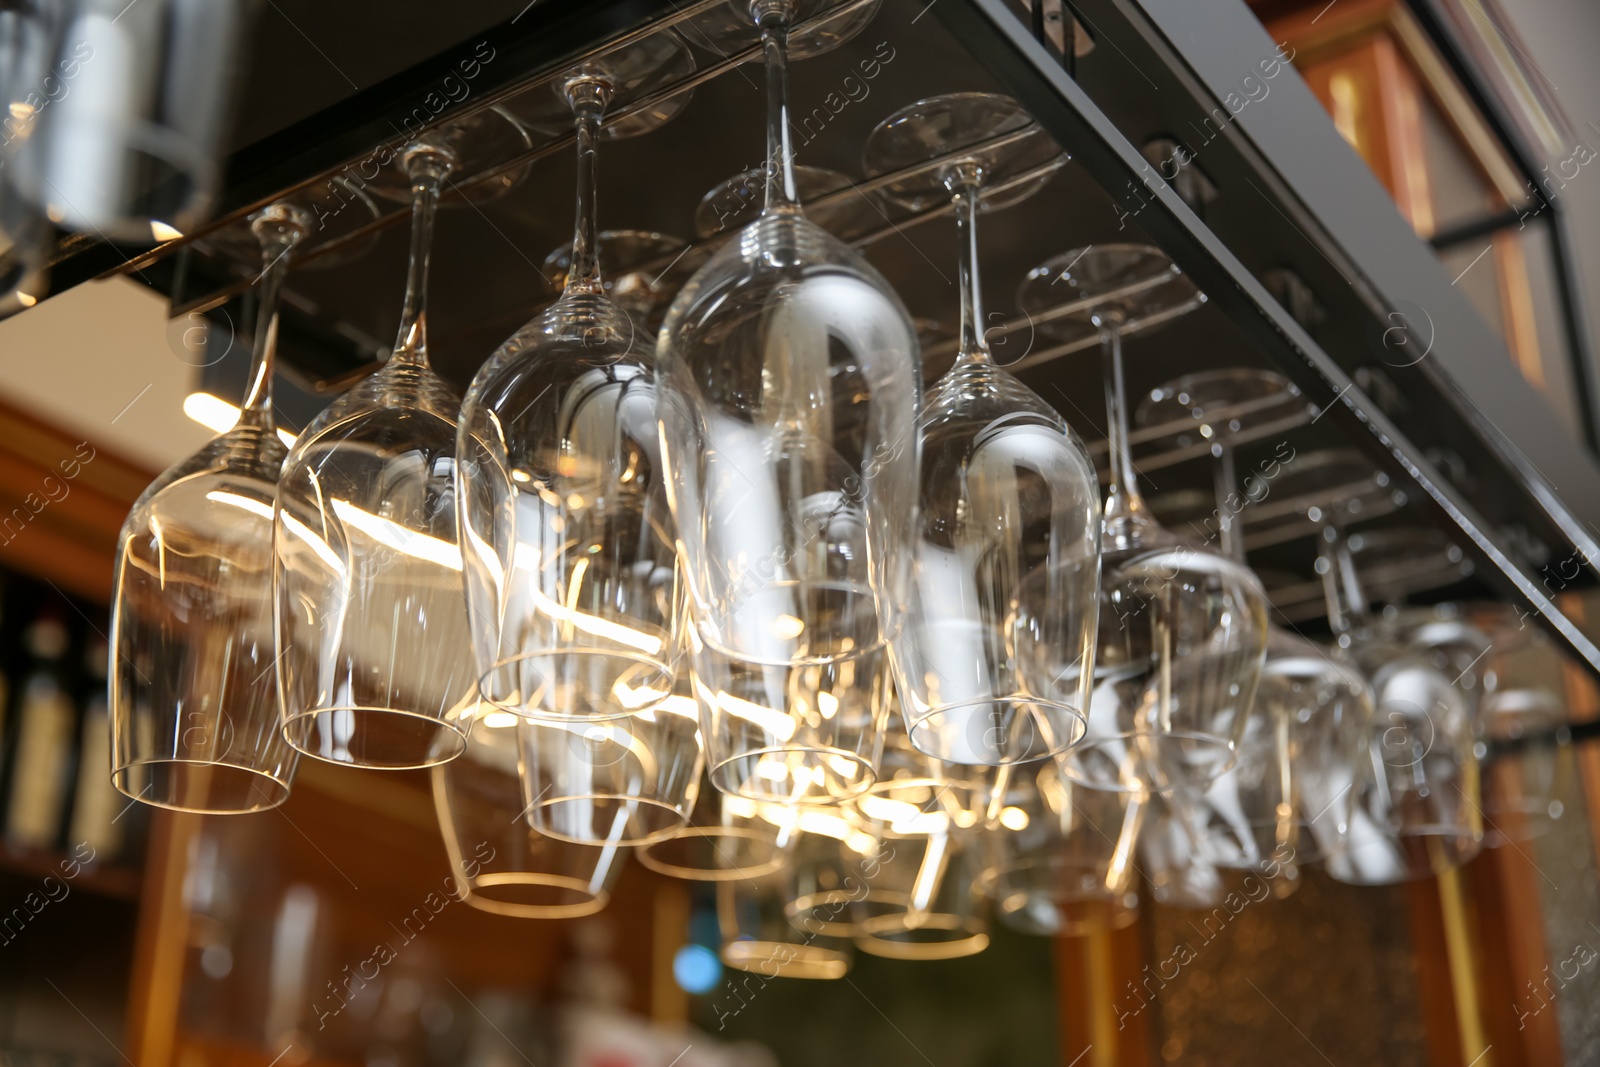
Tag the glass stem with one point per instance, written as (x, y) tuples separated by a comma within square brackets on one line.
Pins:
[(1226, 485), (588, 98), (1124, 506), (772, 17), (279, 228), (964, 185), (1341, 586), (428, 166)]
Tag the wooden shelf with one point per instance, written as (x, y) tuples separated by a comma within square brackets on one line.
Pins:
[(105, 880)]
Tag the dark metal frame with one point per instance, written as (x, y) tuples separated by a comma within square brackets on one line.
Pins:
[(550, 35), (1005, 46)]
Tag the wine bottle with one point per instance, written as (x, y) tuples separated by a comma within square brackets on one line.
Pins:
[(45, 727), (96, 803)]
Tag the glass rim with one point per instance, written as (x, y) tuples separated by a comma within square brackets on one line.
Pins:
[(522, 709), (475, 897), (717, 771), (815, 961), (919, 723), (281, 784), (291, 727), (778, 860), (679, 813)]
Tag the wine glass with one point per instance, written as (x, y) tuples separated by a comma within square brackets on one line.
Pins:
[(1059, 855), (1313, 709), (374, 665), (729, 26), (629, 778), (193, 696), (1182, 629), (571, 569), (1416, 792), (640, 270), (735, 203), (758, 937), (726, 837), (921, 902), (564, 520), (1007, 488), (789, 389), (500, 863)]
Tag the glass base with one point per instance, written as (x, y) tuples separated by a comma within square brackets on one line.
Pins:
[(380, 738), (200, 787), (795, 775), (714, 854), (607, 820), (576, 683), (996, 732), (527, 895), (780, 959)]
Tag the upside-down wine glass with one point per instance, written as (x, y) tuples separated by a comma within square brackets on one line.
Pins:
[(1059, 856), (1007, 489), (789, 391), (727, 838), (1182, 629), (194, 701), (640, 270), (374, 666), (1313, 709), (1416, 794), (922, 902), (500, 863), (569, 545)]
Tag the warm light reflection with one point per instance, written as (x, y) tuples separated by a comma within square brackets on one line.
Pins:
[(598, 627), (774, 722), (400, 538), (254, 507), (219, 416)]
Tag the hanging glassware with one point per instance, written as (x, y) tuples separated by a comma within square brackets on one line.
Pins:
[(789, 390), (1417, 808), (726, 837), (1007, 491), (757, 935), (571, 571), (1284, 802), (194, 700), (640, 271), (737, 202), (1059, 856), (1182, 630), (569, 544), (921, 902), (630, 779), (500, 863), (374, 662)]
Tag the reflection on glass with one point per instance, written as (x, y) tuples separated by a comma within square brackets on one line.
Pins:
[(789, 389), (1182, 628), (1007, 488), (569, 545), (193, 694), (500, 863), (626, 778), (1060, 856), (374, 664)]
